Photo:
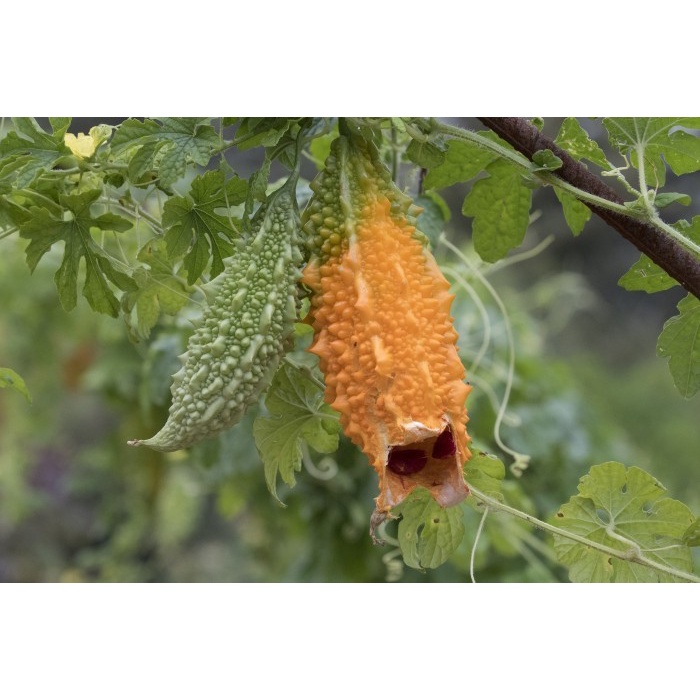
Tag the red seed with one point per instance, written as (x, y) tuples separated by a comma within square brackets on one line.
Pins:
[(406, 462), (445, 445)]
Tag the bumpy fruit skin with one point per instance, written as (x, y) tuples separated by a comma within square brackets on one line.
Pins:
[(380, 309), (233, 355)]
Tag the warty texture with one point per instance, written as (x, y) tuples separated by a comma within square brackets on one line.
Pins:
[(234, 353), (380, 309)]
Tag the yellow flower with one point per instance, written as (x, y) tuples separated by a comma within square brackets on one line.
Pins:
[(81, 145), (84, 146)]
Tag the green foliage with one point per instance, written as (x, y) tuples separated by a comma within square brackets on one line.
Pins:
[(546, 160), (74, 226), (680, 342), (159, 289), (427, 154), (138, 249), (463, 162), (646, 276), (500, 205), (166, 147), (10, 378), (431, 221), (572, 137), (485, 473), (428, 533), (195, 229), (576, 213), (29, 151), (691, 537), (622, 508), (296, 414), (656, 139)]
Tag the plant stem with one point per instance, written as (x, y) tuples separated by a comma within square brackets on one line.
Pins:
[(633, 554), (135, 213), (668, 248), (516, 159)]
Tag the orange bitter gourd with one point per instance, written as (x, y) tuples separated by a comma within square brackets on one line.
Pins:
[(233, 355), (380, 309)]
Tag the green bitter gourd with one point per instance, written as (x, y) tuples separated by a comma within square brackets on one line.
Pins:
[(233, 355)]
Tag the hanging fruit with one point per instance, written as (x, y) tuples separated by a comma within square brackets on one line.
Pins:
[(246, 330), (380, 309)]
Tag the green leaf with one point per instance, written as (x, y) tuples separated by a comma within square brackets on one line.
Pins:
[(159, 290), (691, 537), (463, 161), (257, 186), (197, 225), (653, 136), (680, 342), (576, 213), (28, 151), (183, 140), (427, 154), (500, 205), (485, 473), (43, 230), (431, 221), (428, 533), (10, 378), (59, 125), (143, 161), (689, 229), (572, 137), (267, 131), (646, 276), (11, 214), (297, 413), (663, 199), (546, 160), (622, 508)]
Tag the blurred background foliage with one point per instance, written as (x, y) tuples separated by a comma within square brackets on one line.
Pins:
[(77, 504)]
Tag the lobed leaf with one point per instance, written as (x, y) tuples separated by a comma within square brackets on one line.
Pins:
[(28, 150), (657, 138), (462, 162), (428, 533), (43, 230), (297, 413), (574, 139), (197, 226), (159, 289), (622, 508), (500, 206), (177, 140)]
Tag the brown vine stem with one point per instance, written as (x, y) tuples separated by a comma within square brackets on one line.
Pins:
[(650, 239), (632, 553)]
